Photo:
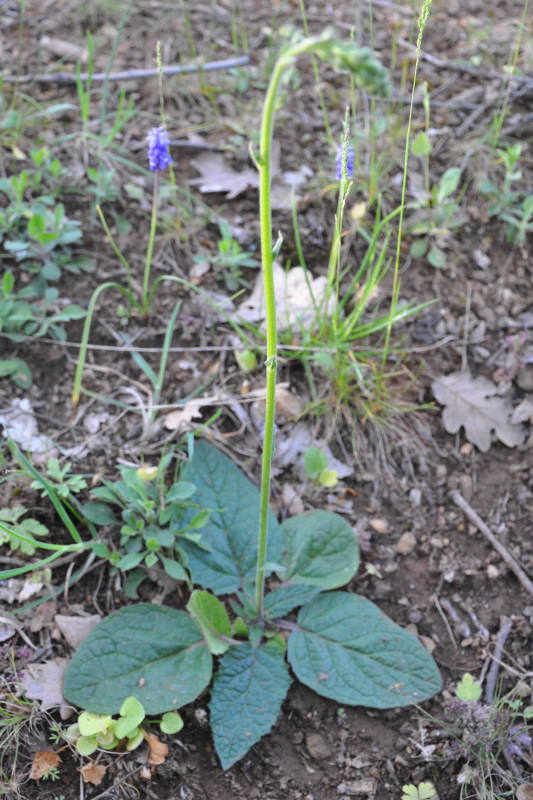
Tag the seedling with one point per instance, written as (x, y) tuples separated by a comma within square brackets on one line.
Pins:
[(102, 731), (513, 206), (424, 791), (316, 468), (230, 260), (64, 484)]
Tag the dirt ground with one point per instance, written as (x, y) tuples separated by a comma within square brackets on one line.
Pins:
[(449, 584)]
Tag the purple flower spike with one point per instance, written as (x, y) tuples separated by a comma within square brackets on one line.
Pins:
[(158, 154), (349, 163)]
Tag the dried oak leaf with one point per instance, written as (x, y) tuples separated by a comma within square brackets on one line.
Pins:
[(158, 751), (43, 762), (93, 773), (218, 176), (44, 682), (472, 403)]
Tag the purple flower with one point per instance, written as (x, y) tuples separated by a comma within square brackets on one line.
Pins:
[(349, 163), (519, 738), (158, 154)]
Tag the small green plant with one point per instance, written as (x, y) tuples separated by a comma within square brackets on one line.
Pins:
[(23, 316), (64, 484), (491, 740), (339, 644), (511, 205), (19, 533), (104, 732), (424, 791), (37, 232), (155, 521), (230, 260), (316, 468)]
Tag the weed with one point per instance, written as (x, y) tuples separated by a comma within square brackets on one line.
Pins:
[(64, 484), (230, 260), (153, 524), (508, 203)]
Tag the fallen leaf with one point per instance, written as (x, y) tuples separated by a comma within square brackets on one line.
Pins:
[(75, 629), (524, 792), (44, 682), (218, 176), (157, 750), (43, 615), (20, 423), (471, 403), (179, 419), (300, 300), (43, 762), (92, 773)]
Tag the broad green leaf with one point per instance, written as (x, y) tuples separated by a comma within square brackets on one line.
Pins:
[(424, 791), (99, 513), (320, 550), (448, 184), (418, 248), (437, 257), (468, 688), (248, 690), (314, 462), (281, 601), (174, 569), (153, 653), (231, 531), (345, 648), (421, 146), (210, 614)]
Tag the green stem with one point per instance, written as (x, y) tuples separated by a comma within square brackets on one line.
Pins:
[(87, 330), (150, 249)]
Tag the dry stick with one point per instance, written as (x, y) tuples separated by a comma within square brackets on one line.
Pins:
[(127, 75), (503, 633), (459, 500)]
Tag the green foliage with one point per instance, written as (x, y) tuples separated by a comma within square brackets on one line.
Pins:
[(435, 216), (21, 532), (511, 205), (36, 230), (156, 521), (340, 645), (95, 731), (63, 483), (230, 260), (468, 688), (424, 791), (316, 468), (23, 316)]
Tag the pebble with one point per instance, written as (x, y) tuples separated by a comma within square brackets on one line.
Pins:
[(317, 746), (406, 543), (379, 525), (466, 487), (415, 496), (493, 572)]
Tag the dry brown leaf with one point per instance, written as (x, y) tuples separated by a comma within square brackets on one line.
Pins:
[(43, 615), (44, 682), (178, 419), (75, 629), (300, 299), (524, 792), (158, 751), (218, 176), (471, 403), (43, 762), (92, 773)]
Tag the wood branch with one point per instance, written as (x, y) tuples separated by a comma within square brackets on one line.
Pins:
[(126, 75), (511, 562)]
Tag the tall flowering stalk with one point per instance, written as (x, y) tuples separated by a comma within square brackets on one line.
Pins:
[(370, 74), (159, 159)]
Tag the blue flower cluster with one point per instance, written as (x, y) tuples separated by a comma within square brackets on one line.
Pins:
[(158, 154), (349, 163)]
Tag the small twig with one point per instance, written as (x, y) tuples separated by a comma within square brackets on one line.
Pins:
[(127, 75), (445, 620), (511, 562), (503, 633)]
